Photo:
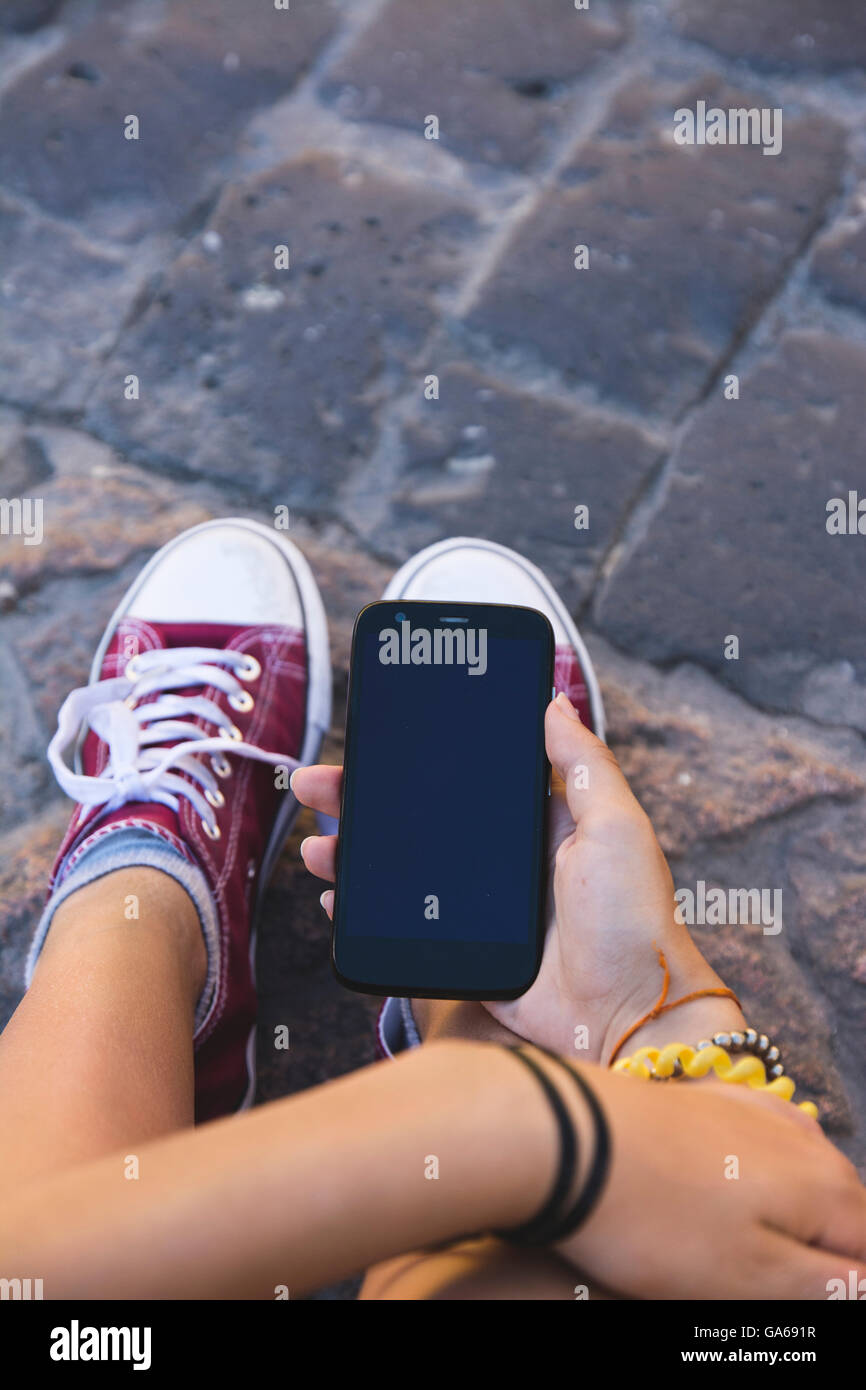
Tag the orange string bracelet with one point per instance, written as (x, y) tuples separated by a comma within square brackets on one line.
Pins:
[(662, 1008)]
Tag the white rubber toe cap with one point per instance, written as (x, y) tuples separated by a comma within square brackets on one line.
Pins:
[(479, 571), (229, 571)]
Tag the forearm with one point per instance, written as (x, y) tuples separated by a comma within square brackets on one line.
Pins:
[(298, 1193)]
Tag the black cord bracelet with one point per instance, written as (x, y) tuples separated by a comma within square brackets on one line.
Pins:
[(551, 1225), (597, 1175), (533, 1232)]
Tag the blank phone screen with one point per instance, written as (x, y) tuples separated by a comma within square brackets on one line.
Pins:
[(442, 802)]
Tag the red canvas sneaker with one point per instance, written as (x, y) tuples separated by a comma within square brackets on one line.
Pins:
[(479, 571), (211, 684)]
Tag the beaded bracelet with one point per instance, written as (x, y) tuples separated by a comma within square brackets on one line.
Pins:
[(672, 1063), (749, 1040), (663, 1064)]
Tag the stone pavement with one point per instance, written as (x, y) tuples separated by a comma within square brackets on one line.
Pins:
[(607, 387)]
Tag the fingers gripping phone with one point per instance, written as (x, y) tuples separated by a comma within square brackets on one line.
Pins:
[(440, 856)]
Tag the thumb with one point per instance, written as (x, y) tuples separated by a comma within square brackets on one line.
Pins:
[(595, 786)]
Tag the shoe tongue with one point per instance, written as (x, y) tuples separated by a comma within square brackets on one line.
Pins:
[(217, 635), (177, 635)]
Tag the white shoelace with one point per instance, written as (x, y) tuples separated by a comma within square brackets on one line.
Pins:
[(138, 769)]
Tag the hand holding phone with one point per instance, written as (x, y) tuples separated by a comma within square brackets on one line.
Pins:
[(609, 906)]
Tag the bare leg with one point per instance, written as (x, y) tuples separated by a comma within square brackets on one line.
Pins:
[(98, 1054), (437, 1019), (98, 1057), (478, 1269)]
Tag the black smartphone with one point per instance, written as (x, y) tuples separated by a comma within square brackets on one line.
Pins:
[(440, 856)]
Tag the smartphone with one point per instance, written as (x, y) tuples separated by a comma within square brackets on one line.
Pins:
[(441, 847)]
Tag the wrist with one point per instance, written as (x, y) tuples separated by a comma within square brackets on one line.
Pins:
[(583, 1150), (691, 1022), (521, 1139), (490, 1129), (688, 1022), (509, 1135)]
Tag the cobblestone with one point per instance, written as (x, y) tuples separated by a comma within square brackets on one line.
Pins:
[(708, 232), (744, 515), (493, 459), (837, 265), (63, 299), (284, 367), (792, 34), (496, 74), (177, 68)]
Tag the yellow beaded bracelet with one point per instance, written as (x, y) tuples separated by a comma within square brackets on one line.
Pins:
[(653, 1063)]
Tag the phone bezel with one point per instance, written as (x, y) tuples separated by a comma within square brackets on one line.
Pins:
[(516, 964)]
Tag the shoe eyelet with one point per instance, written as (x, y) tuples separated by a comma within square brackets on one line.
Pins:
[(232, 734), (214, 798), (221, 766), (243, 702), (251, 670), (213, 832)]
